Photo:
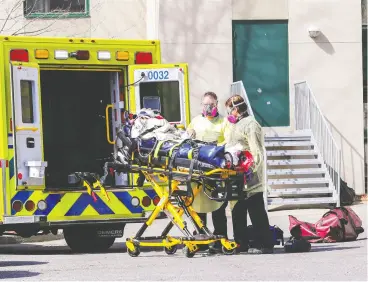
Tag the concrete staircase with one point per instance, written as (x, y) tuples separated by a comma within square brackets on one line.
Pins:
[(296, 171)]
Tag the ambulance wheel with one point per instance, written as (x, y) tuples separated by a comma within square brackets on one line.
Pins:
[(134, 253), (171, 250), (86, 241), (188, 253), (228, 252)]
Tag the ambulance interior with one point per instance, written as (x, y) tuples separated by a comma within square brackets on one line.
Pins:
[(74, 122), (74, 125)]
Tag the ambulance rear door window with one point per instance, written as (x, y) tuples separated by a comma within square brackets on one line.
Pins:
[(26, 88), (169, 94)]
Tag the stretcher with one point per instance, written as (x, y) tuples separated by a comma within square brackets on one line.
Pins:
[(179, 165)]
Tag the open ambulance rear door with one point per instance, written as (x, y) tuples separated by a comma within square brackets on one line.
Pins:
[(162, 87), (27, 118)]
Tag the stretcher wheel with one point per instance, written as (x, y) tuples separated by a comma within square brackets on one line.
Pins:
[(228, 252), (188, 253), (134, 253), (172, 250)]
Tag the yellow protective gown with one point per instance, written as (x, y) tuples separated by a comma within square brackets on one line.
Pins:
[(247, 134), (207, 130)]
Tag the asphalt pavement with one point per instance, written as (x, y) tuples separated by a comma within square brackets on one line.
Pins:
[(53, 261)]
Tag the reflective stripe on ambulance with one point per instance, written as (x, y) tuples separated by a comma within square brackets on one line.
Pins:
[(10, 141)]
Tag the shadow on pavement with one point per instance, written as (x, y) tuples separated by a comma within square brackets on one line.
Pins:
[(34, 249), (20, 263), (17, 274), (332, 248)]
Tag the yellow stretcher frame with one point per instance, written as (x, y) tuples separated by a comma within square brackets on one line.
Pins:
[(170, 243)]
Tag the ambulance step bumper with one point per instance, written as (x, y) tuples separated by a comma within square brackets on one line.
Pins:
[(42, 220), (25, 219), (96, 222)]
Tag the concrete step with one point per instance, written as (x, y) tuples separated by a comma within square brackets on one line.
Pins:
[(301, 201), (306, 136), (299, 191), (301, 171), (270, 144), (280, 153), (294, 162), (300, 181), (297, 133)]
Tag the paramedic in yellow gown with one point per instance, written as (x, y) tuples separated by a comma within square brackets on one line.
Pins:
[(244, 133), (209, 127)]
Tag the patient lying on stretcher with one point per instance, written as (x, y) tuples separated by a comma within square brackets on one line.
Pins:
[(151, 138)]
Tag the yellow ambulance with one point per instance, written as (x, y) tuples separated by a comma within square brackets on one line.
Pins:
[(61, 100)]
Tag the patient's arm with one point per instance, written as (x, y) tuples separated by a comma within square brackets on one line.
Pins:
[(191, 133)]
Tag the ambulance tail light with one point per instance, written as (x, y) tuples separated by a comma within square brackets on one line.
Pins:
[(104, 55), (61, 54), (122, 56), (41, 54), (146, 201), (19, 55), (156, 200), (17, 206), (143, 58), (30, 205), (82, 55), (135, 202), (41, 205)]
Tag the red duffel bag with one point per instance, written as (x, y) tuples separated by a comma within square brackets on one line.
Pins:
[(336, 225)]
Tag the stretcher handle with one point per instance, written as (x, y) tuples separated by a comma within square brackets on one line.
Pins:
[(220, 170), (108, 125)]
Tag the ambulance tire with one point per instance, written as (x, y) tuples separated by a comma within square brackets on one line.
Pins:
[(86, 241)]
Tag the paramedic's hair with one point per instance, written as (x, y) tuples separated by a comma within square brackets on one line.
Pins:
[(210, 94), (236, 99)]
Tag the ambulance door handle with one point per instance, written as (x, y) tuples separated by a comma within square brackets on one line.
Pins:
[(30, 142), (20, 128), (108, 125)]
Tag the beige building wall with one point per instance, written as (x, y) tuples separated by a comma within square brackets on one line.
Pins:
[(108, 19), (332, 65), (199, 32)]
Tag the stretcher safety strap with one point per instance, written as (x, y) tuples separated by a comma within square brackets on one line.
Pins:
[(157, 149)]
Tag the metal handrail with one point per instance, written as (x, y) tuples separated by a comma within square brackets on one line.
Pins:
[(265, 179), (308, 116)]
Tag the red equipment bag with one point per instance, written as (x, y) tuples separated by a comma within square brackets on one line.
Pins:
[(336, 225)]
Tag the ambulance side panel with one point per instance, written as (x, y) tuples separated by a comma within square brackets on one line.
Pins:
[(63, 207), (3, 138)]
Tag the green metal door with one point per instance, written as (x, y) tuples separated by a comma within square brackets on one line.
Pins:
[(260, 60)]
